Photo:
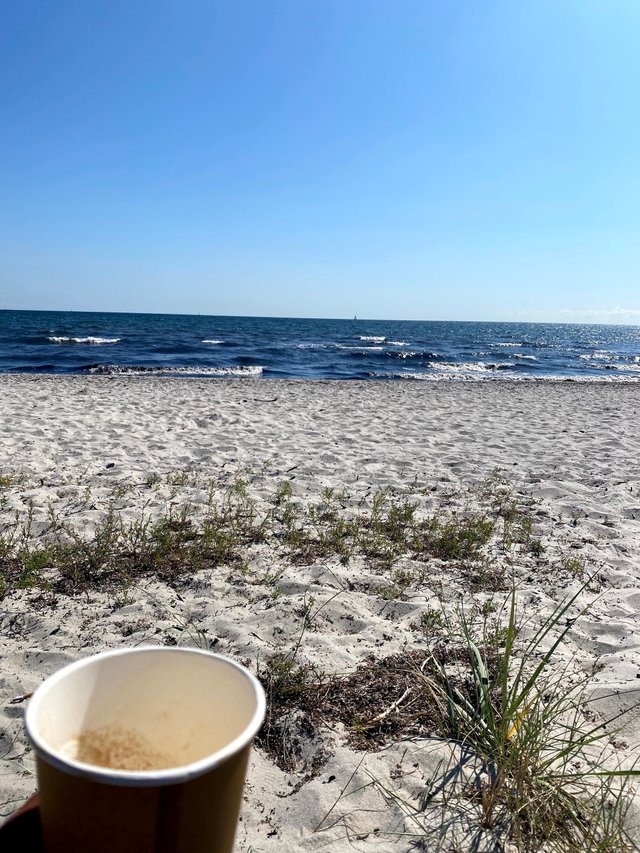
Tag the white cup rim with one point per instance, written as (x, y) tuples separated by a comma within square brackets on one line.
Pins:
[(147, 778)]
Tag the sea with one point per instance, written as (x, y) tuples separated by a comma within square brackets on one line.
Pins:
[(73, 342)]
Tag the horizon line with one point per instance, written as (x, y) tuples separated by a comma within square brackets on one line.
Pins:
[(355, 319)]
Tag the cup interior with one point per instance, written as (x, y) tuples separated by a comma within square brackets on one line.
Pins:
[(145, 710)]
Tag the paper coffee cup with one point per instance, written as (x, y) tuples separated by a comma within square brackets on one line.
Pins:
[(144, 750)]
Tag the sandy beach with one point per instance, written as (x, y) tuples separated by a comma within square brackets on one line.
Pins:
[(74, 448)]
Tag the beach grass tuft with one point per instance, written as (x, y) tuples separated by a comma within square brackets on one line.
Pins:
[(543, 772)]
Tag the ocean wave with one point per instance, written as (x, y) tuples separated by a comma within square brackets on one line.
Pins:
[(487, 376), (398, 343), (524, 357), (386, 352), (599, 355), (212, 342), (412, 354), (630, 367), (63, 339), (470, 366), (376, 339), (623, 362), (437, 376), (360, 349), (126, 370), (507, 344), (311, 346), (401, 374)]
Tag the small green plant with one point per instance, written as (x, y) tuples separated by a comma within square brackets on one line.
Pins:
[(400, 581), (283, 493), (9, 479), (179, 478), (487, 575), (488, 608), (536, 548), (285, 679), (33, 562), (432, 621), (270, 577), (120, 490), (458, 538), (574, 566)]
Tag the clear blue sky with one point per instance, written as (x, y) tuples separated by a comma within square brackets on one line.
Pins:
[(419, 159)]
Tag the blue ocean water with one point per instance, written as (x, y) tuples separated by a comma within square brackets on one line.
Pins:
[(109, 343)]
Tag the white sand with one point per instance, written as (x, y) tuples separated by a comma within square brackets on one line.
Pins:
[(574, 447)]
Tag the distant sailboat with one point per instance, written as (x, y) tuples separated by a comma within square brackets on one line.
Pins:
[(354, 317)]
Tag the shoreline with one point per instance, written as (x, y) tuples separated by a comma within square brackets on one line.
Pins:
[(176, 375)]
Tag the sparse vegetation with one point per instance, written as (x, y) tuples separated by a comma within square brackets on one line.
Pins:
[(175, 542), (537, 772)]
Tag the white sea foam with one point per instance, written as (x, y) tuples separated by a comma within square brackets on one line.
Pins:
[(248, 370), (376, 339), (312, 346), (212, 342), (496, 376), (468, 366), (604, 361), (602, 355), (507, 344), (403, 374), (398, 343), (525, 357), (63, 339), (599, 355), (610, 377), (360, 348), (634, 367), (434, 376), (444, 371)]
